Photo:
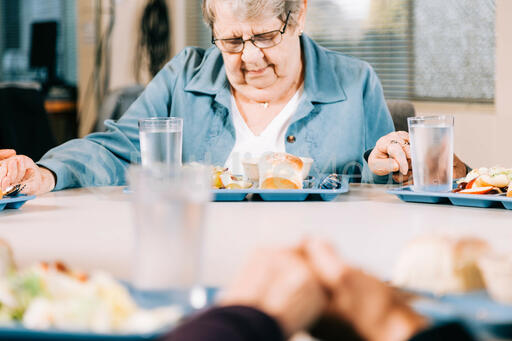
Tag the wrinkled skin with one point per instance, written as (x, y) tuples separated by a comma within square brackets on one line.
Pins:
[(392, 154), (16, 169)]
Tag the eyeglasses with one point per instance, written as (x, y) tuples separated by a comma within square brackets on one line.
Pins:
[(262, 40)]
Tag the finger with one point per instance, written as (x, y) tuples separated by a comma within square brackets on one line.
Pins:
[(20, 170), (396, 152), (31, 187), (403, 135), (403, 179), (7, 153), (325, 262), (13, 170), (384, 142), (11, 174), (384, 166), (407, 150)]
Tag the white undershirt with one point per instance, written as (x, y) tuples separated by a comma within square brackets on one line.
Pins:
[(271, 139)]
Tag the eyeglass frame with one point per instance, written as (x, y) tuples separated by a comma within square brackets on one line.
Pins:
[(281, 31)]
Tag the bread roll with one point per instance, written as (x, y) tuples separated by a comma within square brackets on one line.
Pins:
[(280, 171), (441, 265)]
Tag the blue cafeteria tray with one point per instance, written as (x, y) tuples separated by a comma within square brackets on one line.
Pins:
[(15, 202), (281, 194), (473, 200), (19, 333), (479, 311)]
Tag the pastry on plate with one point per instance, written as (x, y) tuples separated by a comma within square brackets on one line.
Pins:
[(280, 171), (441, 264)]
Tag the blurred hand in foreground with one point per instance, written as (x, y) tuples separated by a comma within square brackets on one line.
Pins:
[(280, 283), (369, 305), (297, 286), (15, 169)]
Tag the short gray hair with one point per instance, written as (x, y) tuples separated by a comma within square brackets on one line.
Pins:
[(249, 9)]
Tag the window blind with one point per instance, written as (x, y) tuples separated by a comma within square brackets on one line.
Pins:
[(378, 32), (16, 19), (198, 33), (420, 49)]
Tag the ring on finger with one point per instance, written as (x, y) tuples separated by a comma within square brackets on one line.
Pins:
[(405, 143)]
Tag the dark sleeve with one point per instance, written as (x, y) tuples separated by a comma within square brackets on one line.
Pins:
[(233, 323), (445, 332)]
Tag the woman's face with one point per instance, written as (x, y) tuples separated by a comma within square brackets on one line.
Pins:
[(260, 74)]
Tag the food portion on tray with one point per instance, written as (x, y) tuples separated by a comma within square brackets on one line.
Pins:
[(458, 278), (273, 171), (51, 296), (494, 180), (443, 265)]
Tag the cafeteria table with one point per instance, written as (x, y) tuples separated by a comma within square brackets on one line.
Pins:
[(91, 228)]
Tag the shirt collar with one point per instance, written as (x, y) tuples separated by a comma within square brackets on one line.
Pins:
[(321, 84)]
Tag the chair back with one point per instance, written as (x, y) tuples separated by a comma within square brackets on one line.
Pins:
[(400, 110)]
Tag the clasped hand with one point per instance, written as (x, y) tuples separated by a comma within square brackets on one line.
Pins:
[(392, 154), (298, 285)]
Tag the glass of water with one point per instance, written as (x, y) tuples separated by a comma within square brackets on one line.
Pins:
[(169, 212), (431, 140), (161, 141)]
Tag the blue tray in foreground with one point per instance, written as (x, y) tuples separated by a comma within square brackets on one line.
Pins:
[(476, 309), (458, 199), (282, 194), (19, 333), (15, 202)]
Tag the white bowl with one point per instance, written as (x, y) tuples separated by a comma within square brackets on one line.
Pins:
[(251, 167)]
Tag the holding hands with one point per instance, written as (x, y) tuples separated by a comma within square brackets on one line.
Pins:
[(299, 285), (16, 169)]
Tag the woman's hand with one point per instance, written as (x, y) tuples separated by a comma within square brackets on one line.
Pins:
[(369, 305), (392, 154), (15, 169), (281, 284)]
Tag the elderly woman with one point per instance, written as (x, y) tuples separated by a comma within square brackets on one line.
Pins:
[(264, 86)]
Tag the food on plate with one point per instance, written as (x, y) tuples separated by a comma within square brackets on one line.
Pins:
[(494, 180), (477, 190), (280, 171), (497, 272), (223, 179), (251, 167), (441, 264), (47, 296)]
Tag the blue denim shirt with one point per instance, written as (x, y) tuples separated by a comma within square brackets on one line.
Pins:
[(341, 115)]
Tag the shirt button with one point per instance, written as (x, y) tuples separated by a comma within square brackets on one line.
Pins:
[(290, 139)]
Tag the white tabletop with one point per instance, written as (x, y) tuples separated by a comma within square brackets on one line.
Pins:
[(91, 228)]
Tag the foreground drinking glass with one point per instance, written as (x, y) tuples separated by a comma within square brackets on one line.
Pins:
[(431, 140), (169, 206), (161, 140)]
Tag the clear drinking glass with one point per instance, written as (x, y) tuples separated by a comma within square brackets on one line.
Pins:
[(161, 140), (431, 140), (169, 207)]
